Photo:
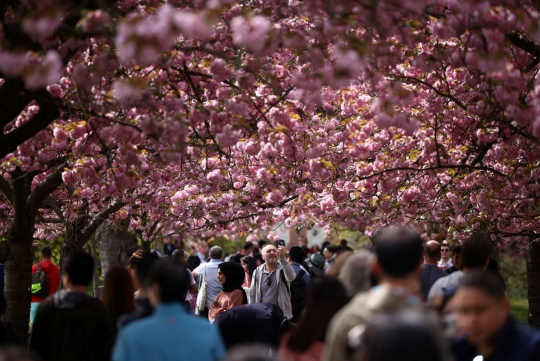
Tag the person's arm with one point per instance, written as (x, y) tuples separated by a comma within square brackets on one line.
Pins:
[(197, 271), (236, 298), (192, 284), (252, 288), (290, 275)]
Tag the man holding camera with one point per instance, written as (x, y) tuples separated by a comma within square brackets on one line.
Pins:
[(271, 280)]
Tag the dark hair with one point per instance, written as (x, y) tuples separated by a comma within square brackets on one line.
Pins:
[(407, 335), (432, 253), (193, 262), (325, 243), (248, 245), (399, 250), (297, 254), (343, 242), (475, 251), (118, 291), (447, 245), (324, 298), (215, 252), (457, 249), (258, 257), (172, 279), (261, 243), (46, 252), (236, 258), (485, 281), (135, 258), (250, 261), (142, 272), (493, 268), (330, 248), (80, 268), (177, 255)]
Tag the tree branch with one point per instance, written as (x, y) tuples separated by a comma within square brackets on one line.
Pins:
[(6, 189), (97, 221), (48, 112), (43, 190)]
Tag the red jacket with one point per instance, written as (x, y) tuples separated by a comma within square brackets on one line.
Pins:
[(53, 276)]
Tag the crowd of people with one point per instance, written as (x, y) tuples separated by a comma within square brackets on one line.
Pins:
[(402, 298)]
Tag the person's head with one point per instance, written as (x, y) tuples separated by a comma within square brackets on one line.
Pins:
[(236, 258), (356, 272), (248, 247), (324, 298), (156, 245), (315, 249), (46, 253), (343, 243), (142, 273), (296, 254), (481, 306), (315, 262), (329, 252), (399, 252), (117, 293), (168, 240), (476, 252), (179, 256), (408, 335), (193, 262), (259, 260), (432, 252), (169, 282), (457, 257), (249, 265), (231, 274), (446, 252), (215, 252), (261, 243), (78, 270), (270, 255)]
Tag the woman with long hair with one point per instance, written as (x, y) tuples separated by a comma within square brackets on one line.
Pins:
[(231, 276), (249, 265), (117, 293), (193, 262), (324, 298)]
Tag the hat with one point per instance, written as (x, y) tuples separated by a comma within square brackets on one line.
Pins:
[(316, 263)]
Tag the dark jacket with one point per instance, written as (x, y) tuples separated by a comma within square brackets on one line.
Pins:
[(515, 342), (430, 275), (72, 325), (144, 309), (252, 323)]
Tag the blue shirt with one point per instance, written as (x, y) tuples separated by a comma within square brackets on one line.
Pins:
[(170, 334), (515, 342), (430, 275), (297, 268), (213, 287)]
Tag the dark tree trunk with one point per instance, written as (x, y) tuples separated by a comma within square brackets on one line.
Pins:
[(533, 282), (115, 245)]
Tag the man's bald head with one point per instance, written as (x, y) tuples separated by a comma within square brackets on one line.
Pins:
[(432, 252)]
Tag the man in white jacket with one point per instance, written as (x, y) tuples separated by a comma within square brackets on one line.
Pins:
[(271, 280)]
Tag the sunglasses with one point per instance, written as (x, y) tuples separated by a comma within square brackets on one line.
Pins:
[(445, 250), (269, 282)]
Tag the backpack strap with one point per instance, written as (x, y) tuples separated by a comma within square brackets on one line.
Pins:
[(282, 273)]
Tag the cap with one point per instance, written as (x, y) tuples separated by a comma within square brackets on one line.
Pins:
[(316, 263)]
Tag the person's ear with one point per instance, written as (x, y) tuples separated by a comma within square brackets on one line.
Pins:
[(377, 270)]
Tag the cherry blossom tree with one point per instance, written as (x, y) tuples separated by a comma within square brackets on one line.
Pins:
[(225, 116)]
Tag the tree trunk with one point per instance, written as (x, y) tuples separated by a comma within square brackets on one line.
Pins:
[(115, 245), (18, 276), (95, 278), (533, 282)]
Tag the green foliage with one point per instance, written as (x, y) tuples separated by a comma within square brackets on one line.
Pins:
[(355, 239), (514, 272), (227, 245), (520, 309)]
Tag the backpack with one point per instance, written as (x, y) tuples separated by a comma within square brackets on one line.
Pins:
[(40, 283), (298, 288)]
